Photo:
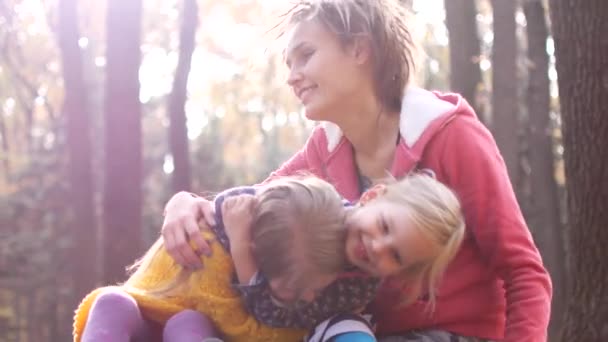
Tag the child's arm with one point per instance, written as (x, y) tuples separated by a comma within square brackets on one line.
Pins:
[(236, 214)]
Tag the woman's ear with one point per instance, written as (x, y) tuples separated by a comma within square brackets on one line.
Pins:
[(372, 193), (360, 50)]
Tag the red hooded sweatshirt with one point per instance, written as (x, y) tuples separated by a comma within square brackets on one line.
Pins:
[(496, 287)]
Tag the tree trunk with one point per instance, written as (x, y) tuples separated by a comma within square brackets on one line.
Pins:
[(178, 133), (504, 85), (123, 146), (579, 30), (545, 217), (465, 74), (4, 154), (84, 233)]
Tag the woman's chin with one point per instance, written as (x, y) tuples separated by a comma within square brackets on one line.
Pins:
[(314, 113)]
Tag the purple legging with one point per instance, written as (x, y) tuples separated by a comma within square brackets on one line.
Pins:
[(115, 317)]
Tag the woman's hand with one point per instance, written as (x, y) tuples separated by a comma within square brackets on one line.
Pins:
[(183, 214)]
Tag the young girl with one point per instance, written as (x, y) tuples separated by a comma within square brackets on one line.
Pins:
[(407, 233), (286, 214)]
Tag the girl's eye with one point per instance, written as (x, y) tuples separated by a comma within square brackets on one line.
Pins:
[(384, 226), (397, 257)]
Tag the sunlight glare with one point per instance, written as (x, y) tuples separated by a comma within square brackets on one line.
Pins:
[(196, 119), (434, 66), (294, 118), (83, 42), (155, 74), (168, 165), (520, 18), (280, 119), (100, 62), (550, 46), (485, 64), (488, 38), (267, 123), (9, 106), (49, 141)]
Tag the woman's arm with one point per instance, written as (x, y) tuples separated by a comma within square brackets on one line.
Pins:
[(471, 165)]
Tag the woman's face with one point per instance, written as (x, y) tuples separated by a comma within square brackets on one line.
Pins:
[(323, 74), (383, 241)]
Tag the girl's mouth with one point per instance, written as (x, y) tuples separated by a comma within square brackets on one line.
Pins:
[(361, 252)]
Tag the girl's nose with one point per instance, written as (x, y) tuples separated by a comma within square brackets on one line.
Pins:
[(378, 246)]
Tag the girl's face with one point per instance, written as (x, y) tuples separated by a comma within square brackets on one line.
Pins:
[(383, 241), (325, 75)]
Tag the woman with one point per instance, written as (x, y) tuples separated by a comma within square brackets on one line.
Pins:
[(350, 62)]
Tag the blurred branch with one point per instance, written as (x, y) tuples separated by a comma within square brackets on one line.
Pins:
[(6, 13), (25, 86)]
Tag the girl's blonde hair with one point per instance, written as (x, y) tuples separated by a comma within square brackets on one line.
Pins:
[(297, 231), (383, 25), (435, 211)]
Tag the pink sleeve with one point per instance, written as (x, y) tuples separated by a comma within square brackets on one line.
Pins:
[(473, 167)]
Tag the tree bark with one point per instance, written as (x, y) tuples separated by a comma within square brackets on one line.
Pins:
[(5, 148), (505, 116), (178, 132), (545, 218), (465, 74), (123, 146), (77, 115), (579, 30)]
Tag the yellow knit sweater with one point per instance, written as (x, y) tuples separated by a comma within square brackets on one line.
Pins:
[(207, 290)]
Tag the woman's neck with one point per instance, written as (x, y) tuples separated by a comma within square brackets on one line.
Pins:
[(370, 129)]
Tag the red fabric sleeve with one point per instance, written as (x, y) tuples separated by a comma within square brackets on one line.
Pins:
[(472, 166)]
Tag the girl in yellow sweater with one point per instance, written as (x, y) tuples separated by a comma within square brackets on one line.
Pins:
[(297, 238)]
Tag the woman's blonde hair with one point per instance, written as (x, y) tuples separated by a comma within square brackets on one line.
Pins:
[(297, 231), (383, 25), (435, 211)]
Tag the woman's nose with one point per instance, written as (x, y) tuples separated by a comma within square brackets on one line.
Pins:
[(294, 77)]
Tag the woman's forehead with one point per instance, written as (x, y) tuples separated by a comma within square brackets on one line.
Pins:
[(309, 31)]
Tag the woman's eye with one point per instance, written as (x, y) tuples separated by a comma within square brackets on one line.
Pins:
[(306, 55)]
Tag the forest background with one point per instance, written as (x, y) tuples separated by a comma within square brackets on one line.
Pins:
[(107, 108)]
